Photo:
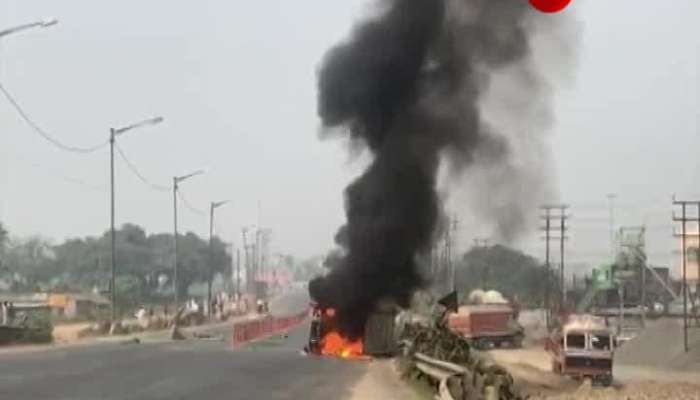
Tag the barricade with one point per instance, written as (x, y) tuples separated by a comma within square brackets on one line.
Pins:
[(246, 331)]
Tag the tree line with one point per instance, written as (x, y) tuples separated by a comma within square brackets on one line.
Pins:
[(144, 263), (501, 268)]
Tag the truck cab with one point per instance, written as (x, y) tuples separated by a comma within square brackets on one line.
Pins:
[(582, 350)]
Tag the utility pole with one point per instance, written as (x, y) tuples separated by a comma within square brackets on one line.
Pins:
[(452, 264), (611, 203), (238, 274), (446, 262), (548, 216), (175, 268), (562, 230), (696, 302), (632, 239), (112, 233), (247, 265), (176, 182), (249, 261), (547, 228), (483, 243), (683, 219), (210, 276), (113, 133)]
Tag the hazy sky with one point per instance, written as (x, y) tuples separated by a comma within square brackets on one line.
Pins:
[(236, 86)]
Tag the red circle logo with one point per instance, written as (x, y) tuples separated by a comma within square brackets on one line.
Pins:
[(550, 6)]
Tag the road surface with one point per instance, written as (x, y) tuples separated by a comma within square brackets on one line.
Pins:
[(193, 369)]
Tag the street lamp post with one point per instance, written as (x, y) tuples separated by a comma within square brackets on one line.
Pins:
[(176, 182), (249, 266), (44, 23), (213, 206), (113, 133)]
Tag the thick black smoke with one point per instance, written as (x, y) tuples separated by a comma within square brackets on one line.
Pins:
[(407, 86)]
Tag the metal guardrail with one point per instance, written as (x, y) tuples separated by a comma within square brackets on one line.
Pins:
[(473, 383), (440, 372)]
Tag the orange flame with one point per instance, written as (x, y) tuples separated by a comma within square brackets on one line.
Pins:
[(333, 344)]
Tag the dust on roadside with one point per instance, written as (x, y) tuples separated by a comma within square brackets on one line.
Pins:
[(382, 382), (530, 367)]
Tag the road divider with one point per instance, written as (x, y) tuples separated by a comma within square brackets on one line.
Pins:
[(246, 331)]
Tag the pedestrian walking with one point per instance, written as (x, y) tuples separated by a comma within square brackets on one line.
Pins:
[(4, 313), (10, 312)]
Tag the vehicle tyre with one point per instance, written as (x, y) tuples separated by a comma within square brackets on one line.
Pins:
[(517, 342), (556, 368)]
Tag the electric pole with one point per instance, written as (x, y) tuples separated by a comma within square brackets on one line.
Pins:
[(633, 241), (611, 204), (210, 276), (238, 274), (483, 243), (113, 280), (562, 238), (452, 263), (248, 279), (550, 213), (113, 133), (684, 219), (176, 182)]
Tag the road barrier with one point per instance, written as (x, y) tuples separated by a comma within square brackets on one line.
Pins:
[(452, 367), (246, 331), (480, 381)]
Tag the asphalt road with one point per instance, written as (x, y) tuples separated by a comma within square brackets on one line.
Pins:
[(192, 369)]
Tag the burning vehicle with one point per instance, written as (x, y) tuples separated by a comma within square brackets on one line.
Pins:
[(379, 337), (407, 88), (583, 348)]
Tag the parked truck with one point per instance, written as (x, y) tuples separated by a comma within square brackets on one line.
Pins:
[(487, 325), (583, 348), (379, 339)]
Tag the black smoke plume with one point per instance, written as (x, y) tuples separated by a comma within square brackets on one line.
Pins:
[(406, 86)]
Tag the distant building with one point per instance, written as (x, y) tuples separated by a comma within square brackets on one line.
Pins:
[(692, 265), (77, 305)]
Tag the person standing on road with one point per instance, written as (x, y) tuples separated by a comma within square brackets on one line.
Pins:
[(10, 312), (4, 313)]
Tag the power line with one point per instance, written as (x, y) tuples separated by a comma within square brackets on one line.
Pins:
[(550, 214), (62, 177), (190, 206), (142, 178), (43, 133)]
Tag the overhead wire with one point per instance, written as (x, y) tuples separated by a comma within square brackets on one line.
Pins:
[(36, 128), (189, 206), (63, 177), (139, 175)]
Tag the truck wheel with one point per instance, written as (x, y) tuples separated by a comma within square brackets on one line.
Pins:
[(605, 380), (517, 342), (556, 367)]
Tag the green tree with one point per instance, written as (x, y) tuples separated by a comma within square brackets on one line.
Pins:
[(141, 259), (501, 268), (3, 239), (29, 263), (129, 292)]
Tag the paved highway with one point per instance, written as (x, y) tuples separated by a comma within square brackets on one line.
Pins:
[(192, 369)]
